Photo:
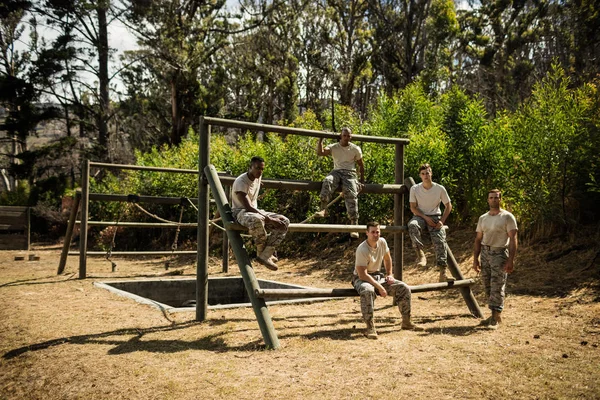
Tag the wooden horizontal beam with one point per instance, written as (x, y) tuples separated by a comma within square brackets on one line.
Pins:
[(141, 224), (290, 184), (326, 228), (350, 292), (133, 253), (134, 198), (299, 131)]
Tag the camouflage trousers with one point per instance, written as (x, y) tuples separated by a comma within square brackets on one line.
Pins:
[(398, 290), (438, 237), (349, 188), (256, 227), (493, 276)]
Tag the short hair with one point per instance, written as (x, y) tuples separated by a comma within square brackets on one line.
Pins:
[(373, 224), (256, 159), (424, 166), (346, 129), (495, 191)]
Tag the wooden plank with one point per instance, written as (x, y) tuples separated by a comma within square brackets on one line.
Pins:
[(350, 292), (13, 242)]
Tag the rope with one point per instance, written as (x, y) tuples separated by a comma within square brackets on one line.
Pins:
[(332, 202), (112, 242)]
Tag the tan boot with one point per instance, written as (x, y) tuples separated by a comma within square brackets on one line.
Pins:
[(408, 325), (421, 259), (486, 322), (323, 213), (266, 258), (371, 332), (496, 320), (354, 235), (444, 277)]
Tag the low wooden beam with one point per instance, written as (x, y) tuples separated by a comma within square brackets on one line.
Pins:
[(350, 292)]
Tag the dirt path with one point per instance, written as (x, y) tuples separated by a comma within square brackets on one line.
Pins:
[(63, 338)]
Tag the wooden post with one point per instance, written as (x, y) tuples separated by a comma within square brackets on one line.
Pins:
[(202, 257), (69, 235), (226, 242), (466, 292), (250, 282), (398, 212), (83, 227)]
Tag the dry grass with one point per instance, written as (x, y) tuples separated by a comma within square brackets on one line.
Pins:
[(64, 338)]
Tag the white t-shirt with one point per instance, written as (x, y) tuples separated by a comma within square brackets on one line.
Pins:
[(345, 157), (428, 200), (243, 184), (371, 257), (495, 228)]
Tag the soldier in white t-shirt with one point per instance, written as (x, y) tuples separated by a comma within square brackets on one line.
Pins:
[(496, 242), (245, 210), (369, 280), (345, 156), (425, 199)]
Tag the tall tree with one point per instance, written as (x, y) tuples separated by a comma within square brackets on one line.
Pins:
[(179, 40)]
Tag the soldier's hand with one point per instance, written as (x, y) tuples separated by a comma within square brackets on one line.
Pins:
[(509, 266), (476, 266), (382, 291)]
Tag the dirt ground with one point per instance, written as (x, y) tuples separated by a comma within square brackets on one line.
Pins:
[(63, 338)]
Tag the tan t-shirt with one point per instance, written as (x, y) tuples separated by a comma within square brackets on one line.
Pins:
[(428, 200), (244, 184), (345, 157), (495, 228), (371, 257)]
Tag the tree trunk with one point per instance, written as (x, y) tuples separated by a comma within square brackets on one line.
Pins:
[(103, 113)]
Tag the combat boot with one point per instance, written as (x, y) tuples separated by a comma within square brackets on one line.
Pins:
[(486, 322), (323, 213), (266, 258), (354, 235), (496, 320), (408, 325), (421, 259), (371, 332), (444, 277)]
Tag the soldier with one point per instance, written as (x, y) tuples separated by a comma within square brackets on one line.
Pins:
[(496, 242), (424, 202), (345, 157), (368, 280), (246, 212)]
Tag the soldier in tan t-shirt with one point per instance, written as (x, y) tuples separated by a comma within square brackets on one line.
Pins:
[(496, 243)]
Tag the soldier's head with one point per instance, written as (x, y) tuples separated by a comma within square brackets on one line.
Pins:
[(494, 198), (425, 172), (373, 231), (257, 166), (345, 136)]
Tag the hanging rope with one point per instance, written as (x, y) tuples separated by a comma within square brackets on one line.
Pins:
[(112, 242), (332, 202)]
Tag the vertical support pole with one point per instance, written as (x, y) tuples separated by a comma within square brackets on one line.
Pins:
[(203, 224), (226, 240), (28, 227), (69, 234), (465, 291), (398, 212), (237, 244), (83, 227)]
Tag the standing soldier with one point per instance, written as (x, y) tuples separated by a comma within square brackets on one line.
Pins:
[(496, 242), (425, 199), (245, 211), (345, 156)]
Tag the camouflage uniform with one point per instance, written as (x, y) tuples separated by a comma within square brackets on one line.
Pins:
[(493, 275), (349, 188), (256, 227), (438, 237), (399, 290)]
